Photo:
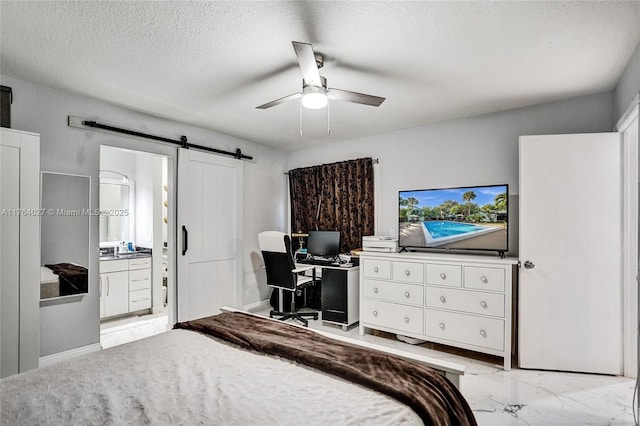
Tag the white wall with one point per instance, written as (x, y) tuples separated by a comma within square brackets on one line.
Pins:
[(467, 152), (70, 150), (629, 84)]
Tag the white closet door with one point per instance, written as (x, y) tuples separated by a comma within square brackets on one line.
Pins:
[(9, 261), (570, 305), (209, 234), (19, 251)]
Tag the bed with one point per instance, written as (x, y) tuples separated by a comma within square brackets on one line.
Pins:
[(235, 368)]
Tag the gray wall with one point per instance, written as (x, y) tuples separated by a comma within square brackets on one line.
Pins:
[(472, 151), (629, 84), (75, 151)]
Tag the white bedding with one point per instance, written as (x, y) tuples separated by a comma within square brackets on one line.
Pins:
[(47, 276), (183, 377)]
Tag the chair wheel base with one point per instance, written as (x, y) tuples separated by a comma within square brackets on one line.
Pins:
[(294, 315)]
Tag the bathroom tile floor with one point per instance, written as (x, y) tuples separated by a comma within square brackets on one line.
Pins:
[(128, 329)]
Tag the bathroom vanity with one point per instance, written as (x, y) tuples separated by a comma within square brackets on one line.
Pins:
[(125, 284)]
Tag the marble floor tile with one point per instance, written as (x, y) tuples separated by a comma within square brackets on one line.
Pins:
[(524, 397)]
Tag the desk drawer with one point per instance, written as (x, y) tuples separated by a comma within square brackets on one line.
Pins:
[(467, 329), (374, 268), (408, 272), (475, 302), (411, 294), (478, 278), (408, 319), (448, 275)]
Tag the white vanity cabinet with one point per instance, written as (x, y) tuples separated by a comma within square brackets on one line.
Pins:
[(456, 300), (125, 286), (114, 287)]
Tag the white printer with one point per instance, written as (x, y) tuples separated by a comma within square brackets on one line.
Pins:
[(380, 243)]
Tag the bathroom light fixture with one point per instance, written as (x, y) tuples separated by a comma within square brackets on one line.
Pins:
[(125, 178)]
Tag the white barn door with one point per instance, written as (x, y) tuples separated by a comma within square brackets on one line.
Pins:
[(570, 307), (209, 234)]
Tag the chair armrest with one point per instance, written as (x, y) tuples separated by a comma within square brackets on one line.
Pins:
[(302, 269)]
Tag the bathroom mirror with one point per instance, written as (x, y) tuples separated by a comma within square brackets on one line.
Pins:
[(116, 202), (64, 235)]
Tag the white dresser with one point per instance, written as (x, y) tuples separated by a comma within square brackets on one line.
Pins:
[(456, 300)]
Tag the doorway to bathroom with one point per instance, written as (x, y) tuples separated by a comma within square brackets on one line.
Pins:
[(136, 274)]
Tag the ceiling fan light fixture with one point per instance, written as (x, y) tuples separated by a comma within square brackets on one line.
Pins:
[(314, 97)]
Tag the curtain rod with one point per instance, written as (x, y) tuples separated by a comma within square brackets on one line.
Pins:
[(374, 160), (80, 123)]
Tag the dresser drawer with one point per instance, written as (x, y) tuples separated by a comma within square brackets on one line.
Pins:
[(403, 318), (492, 279), (374, 268), (475, 302), (113, 265), (412, 294), (139, 279), (449, 275), (467, 329), (140, 263), (408, 272), (139, 299)]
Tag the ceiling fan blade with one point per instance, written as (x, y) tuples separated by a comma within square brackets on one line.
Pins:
[(307, 62), (279, 101), (358, 98)]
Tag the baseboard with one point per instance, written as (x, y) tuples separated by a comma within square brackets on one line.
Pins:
[(257, 306), (65, 355)]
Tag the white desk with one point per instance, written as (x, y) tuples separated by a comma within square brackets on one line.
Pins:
[(339, 293)]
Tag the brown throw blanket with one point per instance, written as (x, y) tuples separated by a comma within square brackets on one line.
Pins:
[(427, 392)]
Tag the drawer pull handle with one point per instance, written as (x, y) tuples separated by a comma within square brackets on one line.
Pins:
[(483, 304), (483, 333), (139, 300), (406, 294), (407, 272), (375, 313), (142, 279), (484, 279), (443, 275), (375, 269), (441, 325), (375, 290), (406, 320), (443, 299)]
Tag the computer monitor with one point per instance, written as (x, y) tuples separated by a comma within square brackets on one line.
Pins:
[(323, 243)]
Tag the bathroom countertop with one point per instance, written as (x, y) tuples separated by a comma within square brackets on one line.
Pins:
[(136, 255)]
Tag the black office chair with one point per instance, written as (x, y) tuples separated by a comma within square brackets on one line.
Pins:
[(282, 273)]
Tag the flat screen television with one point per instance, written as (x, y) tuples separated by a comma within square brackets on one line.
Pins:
[(460, 218)]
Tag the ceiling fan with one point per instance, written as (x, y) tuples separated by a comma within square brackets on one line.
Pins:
[(315, 93)]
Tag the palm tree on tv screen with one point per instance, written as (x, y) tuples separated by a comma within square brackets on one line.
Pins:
[(501, 201), (469, 196)]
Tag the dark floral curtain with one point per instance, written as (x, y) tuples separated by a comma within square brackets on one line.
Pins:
[(334, 197)]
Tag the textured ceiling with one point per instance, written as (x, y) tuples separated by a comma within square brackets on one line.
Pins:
[(210, 63)]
